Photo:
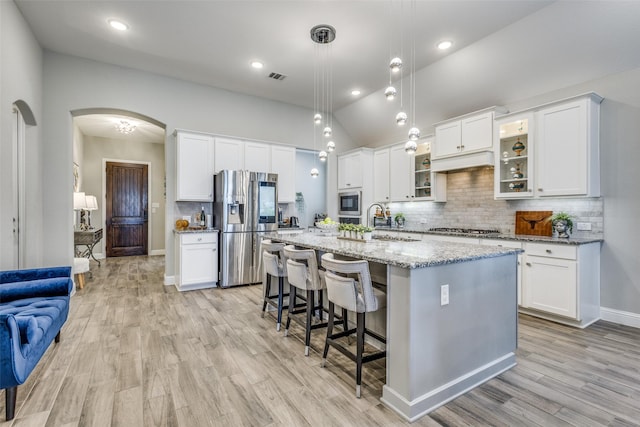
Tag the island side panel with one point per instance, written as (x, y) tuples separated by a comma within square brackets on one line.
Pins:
[(434, 352)]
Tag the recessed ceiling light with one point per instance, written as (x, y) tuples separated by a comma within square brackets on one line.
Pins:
[(257, 64), (355, 92), (118, 25), (445, 44)]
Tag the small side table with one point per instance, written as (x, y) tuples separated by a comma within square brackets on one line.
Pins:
[(89, 239)]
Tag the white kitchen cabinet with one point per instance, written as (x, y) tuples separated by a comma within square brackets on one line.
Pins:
[(562, 282), (229, 154), (400, 189), (283, 160), (567, 159), (465, 135), (399, 177), (351, 168), (194, 166), (514, 154), (257, 156), (196, 264), (381, 176), (515, 245)]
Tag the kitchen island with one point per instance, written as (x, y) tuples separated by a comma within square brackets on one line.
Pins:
[(436, 352)]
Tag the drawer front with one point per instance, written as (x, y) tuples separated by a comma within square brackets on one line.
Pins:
[(196, 238), (552, 251), (501, 243)]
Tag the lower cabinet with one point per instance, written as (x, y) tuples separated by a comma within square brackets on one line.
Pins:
[(196, 260), (562, 282)]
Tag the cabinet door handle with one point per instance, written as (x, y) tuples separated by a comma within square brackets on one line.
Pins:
[(457, 147), (462, 147), (528, 264), (199, 239), (548, 251), (387, 197), (540, 189), (406, 197)]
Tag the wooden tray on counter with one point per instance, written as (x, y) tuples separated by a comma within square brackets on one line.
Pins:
[(534, 223)]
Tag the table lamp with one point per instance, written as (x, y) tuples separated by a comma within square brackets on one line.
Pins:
[(92, 205), (79, 204)]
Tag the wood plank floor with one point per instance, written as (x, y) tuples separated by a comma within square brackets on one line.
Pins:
[(137, 353)]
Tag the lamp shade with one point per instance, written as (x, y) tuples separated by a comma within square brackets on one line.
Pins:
[(79, 201), (92, 203)]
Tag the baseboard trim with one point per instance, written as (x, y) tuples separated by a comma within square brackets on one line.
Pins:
[(169, 280), (156, 252), (625, 318)]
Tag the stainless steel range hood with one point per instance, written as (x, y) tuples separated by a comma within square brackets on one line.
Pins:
[(471, 160)]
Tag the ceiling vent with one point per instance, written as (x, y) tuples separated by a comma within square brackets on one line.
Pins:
[(277, 76)]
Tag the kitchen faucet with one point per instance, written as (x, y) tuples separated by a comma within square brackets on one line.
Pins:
[(369, 210)]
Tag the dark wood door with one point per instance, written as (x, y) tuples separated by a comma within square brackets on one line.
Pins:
[(126, 209)]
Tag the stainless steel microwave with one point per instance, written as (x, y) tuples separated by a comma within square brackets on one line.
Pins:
[(349, 203)]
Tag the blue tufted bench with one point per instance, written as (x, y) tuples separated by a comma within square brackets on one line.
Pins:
[(34, 304)]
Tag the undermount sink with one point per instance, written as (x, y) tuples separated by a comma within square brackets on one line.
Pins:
[(393, 238)]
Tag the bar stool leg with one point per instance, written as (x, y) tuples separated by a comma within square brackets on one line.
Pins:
[(329, 333), (321, 304), (292, 297), (280, 303), (267, 293), (345, 319), (310, 310), (359, 352)]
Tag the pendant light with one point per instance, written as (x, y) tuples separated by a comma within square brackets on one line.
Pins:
[(322, 35), (414, 133)]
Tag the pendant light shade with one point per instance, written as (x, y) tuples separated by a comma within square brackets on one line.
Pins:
[(390, 93), (327, 132), (322, 155), (414, 134), (315, 172), (401, 118), (331, 146), (317, 119), (410, 147), (395, 64)]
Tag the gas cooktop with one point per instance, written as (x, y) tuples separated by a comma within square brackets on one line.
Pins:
[(465, 230)]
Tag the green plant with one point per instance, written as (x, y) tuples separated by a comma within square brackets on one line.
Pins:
[(563, 216), (342, 227), (367, 229), (399, 217)]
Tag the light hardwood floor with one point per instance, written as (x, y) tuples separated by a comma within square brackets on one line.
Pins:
[(137, 353)]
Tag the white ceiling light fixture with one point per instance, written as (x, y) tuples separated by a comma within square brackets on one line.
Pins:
[(125, 127), (322, 35), (445, 44), (355, 92), (257, 65), (118, 25)]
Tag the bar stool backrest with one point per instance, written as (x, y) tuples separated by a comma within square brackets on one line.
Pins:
[(302, 268), (273, 258), (344, 290)]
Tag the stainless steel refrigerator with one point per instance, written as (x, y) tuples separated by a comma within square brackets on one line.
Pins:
[(245, 207)]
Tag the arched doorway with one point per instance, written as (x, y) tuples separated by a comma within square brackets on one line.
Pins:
[(98, 145), (22, 119)]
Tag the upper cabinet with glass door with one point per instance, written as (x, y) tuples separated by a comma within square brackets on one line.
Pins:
[(514, 150), (427, 185)]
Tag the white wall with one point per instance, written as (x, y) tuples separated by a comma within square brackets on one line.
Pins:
[(20, 79), (73, 83)]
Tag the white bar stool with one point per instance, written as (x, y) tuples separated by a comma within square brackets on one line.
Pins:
[(80, 266), (303, 275), (359, 296), (274, 266)]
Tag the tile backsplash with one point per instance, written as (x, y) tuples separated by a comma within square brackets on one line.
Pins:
[(470, 204)]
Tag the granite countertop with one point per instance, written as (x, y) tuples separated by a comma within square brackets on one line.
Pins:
[(497, 236), (196, 230), (401, 254)]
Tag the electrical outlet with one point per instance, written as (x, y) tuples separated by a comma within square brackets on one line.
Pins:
[(423, 220), (444, 295), (584, 226)]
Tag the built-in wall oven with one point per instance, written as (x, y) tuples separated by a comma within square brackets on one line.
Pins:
[(349, 203)]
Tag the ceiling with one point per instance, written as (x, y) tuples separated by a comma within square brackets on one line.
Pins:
[(502, 49)]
